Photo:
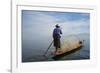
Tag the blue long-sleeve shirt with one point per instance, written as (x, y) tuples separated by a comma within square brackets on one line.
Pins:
[(57, 32)]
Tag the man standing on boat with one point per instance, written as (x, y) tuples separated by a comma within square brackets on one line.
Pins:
[(56, 37)]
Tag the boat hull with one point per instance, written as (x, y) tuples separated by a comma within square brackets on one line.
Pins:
[(66, 51)]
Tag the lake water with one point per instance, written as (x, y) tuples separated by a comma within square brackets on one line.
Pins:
[(33, 50)]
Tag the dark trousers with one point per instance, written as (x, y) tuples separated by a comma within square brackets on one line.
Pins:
[(57, 43)]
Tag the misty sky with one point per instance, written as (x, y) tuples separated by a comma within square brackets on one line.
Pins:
[(40, 24)]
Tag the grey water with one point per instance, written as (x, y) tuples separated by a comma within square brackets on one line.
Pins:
[(33, 50)]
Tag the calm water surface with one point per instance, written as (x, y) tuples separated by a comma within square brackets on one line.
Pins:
[(33, 50)]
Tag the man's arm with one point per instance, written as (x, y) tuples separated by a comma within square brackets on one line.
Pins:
[(60, 31)]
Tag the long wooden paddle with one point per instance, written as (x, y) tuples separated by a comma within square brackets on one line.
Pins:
[(48, 48)]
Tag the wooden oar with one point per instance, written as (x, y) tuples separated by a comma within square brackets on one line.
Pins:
[(48, 48)]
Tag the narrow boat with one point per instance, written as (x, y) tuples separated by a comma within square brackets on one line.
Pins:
[(67, 49)]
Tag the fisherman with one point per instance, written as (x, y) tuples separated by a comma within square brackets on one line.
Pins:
[(56, 37)]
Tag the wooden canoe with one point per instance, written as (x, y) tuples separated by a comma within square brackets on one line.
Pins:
[(65, 50)]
